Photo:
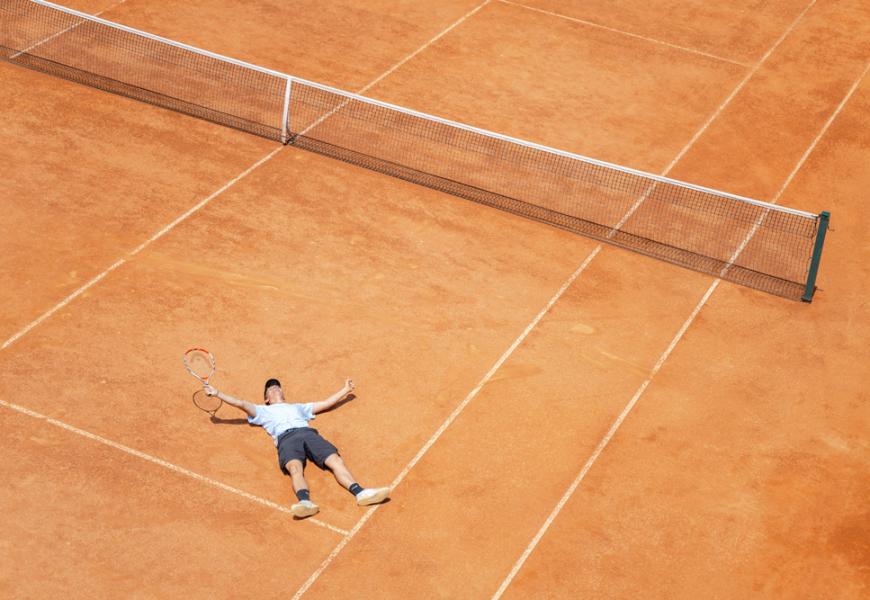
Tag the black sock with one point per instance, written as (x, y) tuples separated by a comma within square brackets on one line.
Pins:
[(355, 489), (303, 495)]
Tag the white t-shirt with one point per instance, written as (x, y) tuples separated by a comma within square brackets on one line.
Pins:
[(278, 418)]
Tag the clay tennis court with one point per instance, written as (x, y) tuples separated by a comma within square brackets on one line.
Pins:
[(557, 417)]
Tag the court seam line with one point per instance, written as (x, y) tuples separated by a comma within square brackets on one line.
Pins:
[(659, 364), (626, 33), (316, 574), (160, 462)]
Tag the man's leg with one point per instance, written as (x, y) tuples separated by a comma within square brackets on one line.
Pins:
[(340, 471), (343, 476), (294, 467), (305, 507)]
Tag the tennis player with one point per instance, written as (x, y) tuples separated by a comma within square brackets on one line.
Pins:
[(297, 442)]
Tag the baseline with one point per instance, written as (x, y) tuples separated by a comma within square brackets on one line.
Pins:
[(621, 32)]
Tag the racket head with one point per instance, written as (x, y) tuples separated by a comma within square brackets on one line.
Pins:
[(206, 403), (200, 363)]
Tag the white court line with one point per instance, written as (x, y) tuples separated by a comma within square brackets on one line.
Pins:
[(626, 33), (141, 247), (366, 87), (73, 26), (661, 361), (161, 462), (135, 251), (792, 175), (329, 559), (486, 378), (424, 46), (166, 229), (715, 114)]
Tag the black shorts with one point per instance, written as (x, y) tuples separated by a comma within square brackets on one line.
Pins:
[(302, 443)]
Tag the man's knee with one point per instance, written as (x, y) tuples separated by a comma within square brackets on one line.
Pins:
[(333, 461), (294, 467)]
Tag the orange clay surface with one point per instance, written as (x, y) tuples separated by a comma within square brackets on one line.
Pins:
[(740, 472), (87, 177), (83, 520)]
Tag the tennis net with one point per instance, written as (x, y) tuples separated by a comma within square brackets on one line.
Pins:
[(761, 245)]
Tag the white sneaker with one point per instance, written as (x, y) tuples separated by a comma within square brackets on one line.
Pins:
[(303, 509), (372, 496)]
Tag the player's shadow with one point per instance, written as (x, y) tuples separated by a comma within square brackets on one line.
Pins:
[(221, 421)]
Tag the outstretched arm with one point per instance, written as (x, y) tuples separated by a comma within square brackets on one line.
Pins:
[(249, 408), (319, 407)]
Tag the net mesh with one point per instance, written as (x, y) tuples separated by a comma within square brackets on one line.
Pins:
[(93, 53), (710, 232), (761, 246)]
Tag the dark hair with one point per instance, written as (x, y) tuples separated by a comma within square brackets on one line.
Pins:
[(270, 383)]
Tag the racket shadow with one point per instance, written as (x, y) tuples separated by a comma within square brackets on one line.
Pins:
[(211, 406)]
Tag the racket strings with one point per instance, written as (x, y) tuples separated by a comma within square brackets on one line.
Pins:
[(200, 363)]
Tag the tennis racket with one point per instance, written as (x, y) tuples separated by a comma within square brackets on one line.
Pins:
[(200, 363)]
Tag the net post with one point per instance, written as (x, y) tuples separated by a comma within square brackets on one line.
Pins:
[(824, 219), (285, 124)]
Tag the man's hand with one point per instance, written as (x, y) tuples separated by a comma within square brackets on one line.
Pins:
[(319, 407), (210, 390)]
